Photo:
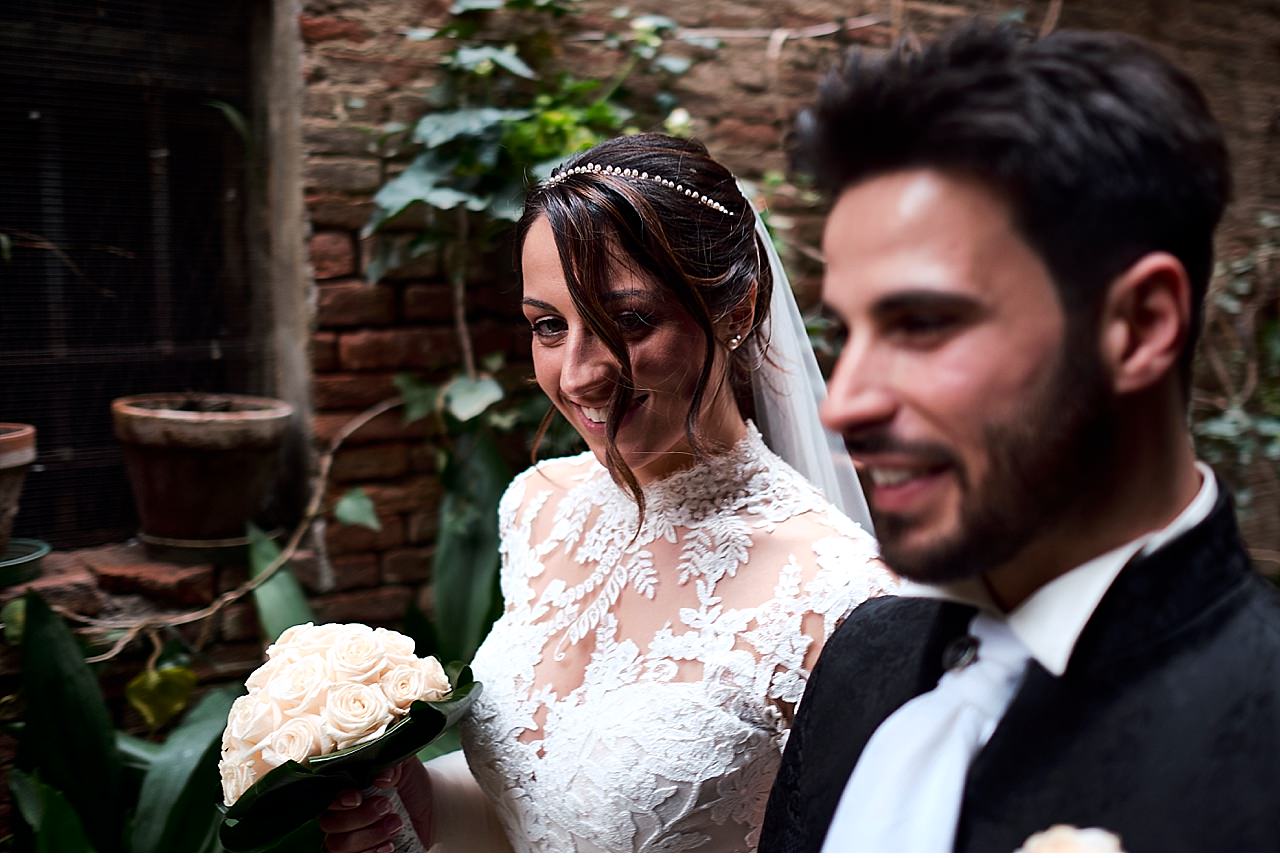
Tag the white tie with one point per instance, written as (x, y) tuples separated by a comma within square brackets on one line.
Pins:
[(905, 791)]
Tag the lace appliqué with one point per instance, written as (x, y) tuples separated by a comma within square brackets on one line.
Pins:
[(671, 739)]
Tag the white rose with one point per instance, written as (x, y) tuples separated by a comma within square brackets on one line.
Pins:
[(260, 677), (253, 717), (236, 778), (297, 739), (354, 713), (298, 687), (357, 655), (1067, 838), (298, 642), (436, 680), (394, 644)]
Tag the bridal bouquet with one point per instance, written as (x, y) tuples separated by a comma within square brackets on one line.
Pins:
[(332, 707)]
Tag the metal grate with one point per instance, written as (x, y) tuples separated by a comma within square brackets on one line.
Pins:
[(121, 191)]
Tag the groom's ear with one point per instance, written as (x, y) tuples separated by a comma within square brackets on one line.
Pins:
[(1144, 323)]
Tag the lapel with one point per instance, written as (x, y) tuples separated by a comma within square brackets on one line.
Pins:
[(1089, 748)]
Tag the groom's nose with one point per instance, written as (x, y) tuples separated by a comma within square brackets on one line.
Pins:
[(857, 397)]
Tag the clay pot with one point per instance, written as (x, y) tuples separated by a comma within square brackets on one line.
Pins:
[(201, 465), (17, 452)]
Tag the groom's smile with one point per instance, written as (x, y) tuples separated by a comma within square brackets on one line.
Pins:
[(952, 389)]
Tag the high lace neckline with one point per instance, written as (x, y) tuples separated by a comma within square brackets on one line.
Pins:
[(692, 485)]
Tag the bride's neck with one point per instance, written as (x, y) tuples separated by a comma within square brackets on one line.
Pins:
[(720, 429)]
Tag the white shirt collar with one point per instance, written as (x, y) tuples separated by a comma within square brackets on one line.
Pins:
[(1052, 618)]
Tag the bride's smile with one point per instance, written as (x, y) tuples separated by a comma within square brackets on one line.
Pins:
[(581, 375)]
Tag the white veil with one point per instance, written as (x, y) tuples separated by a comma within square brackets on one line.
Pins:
[(788, 388)]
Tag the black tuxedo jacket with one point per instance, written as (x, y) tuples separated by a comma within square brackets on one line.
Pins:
[(1164, 728)]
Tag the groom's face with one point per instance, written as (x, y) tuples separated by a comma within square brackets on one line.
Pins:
[(966, 413)]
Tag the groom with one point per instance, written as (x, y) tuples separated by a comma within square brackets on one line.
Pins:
[(1020, 246)]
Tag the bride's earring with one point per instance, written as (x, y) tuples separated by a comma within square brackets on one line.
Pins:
[(734, 342)]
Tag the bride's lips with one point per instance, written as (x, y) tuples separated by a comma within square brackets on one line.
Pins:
[(601, 427)]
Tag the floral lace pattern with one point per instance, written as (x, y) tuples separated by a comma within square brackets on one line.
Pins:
[(639, 685)]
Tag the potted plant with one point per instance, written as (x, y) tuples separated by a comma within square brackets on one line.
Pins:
[(19, 558), (201, 465)]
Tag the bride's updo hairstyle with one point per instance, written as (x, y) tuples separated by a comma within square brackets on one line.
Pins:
[(660, 207)]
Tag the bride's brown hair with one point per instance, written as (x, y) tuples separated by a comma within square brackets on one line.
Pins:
[(704, 255)]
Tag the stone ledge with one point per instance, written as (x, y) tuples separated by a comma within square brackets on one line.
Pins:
[(127, 569)]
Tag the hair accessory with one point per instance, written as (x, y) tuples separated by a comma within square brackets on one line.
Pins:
[(628, 173)]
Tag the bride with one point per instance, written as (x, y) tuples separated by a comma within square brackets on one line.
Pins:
[(667, 592)]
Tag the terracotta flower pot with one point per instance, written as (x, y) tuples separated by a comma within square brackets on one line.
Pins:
[(17, 452), (200, 464)]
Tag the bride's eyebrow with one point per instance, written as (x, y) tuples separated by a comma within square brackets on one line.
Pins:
[(539, 305)]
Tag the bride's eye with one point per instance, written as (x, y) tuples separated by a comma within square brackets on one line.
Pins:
[(633, 321), (548, 327)]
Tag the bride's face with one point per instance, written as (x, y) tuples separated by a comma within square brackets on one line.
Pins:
[(578, 373)]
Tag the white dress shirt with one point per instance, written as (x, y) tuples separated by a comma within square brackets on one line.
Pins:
[(905, 792)]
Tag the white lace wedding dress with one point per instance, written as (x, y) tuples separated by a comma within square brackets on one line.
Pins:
[(639, 688)]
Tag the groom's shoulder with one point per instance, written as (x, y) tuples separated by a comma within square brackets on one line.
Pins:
[(882, 628)]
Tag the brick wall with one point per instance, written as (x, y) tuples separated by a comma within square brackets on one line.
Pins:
[(361, 71)]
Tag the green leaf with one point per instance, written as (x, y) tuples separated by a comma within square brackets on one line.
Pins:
[(420, 399), (474, 58), (356, 507), (280, 601), (178, 803), (137, 754), (6, 247), (462, 7), (68, 736), (469, 397), (161, 694), (652, 23), (14, 617), (465, 564), (51, 817), (672, 64), (294, 794), (435, 129)]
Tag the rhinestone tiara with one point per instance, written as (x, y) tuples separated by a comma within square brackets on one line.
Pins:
[(628, 173)]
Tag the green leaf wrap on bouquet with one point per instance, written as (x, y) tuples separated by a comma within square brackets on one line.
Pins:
[(293, 794)]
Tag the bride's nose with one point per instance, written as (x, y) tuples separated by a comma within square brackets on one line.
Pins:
[(589, 369)]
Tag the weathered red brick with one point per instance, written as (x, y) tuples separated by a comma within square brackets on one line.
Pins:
[(381, 461), (342, 174), (351, 390), (412, 495), (324, 137), (347, 303), (324, 352), (385, 427), (324, 29), (239, 622), (333, 254), (354, 539), (402, 348), (428, 302), (511, 340), (407, 565), (382, 606), (423, 527), (76, 590), (345, 572), (127, 569), (424, 458), (338, 211)]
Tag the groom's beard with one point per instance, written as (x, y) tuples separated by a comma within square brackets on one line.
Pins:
[(1044, 464)]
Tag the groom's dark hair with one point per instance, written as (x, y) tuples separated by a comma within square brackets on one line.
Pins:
[(1103, 150)]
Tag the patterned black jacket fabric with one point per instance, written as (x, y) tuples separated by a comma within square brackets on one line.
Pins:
[(1164, 728)]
